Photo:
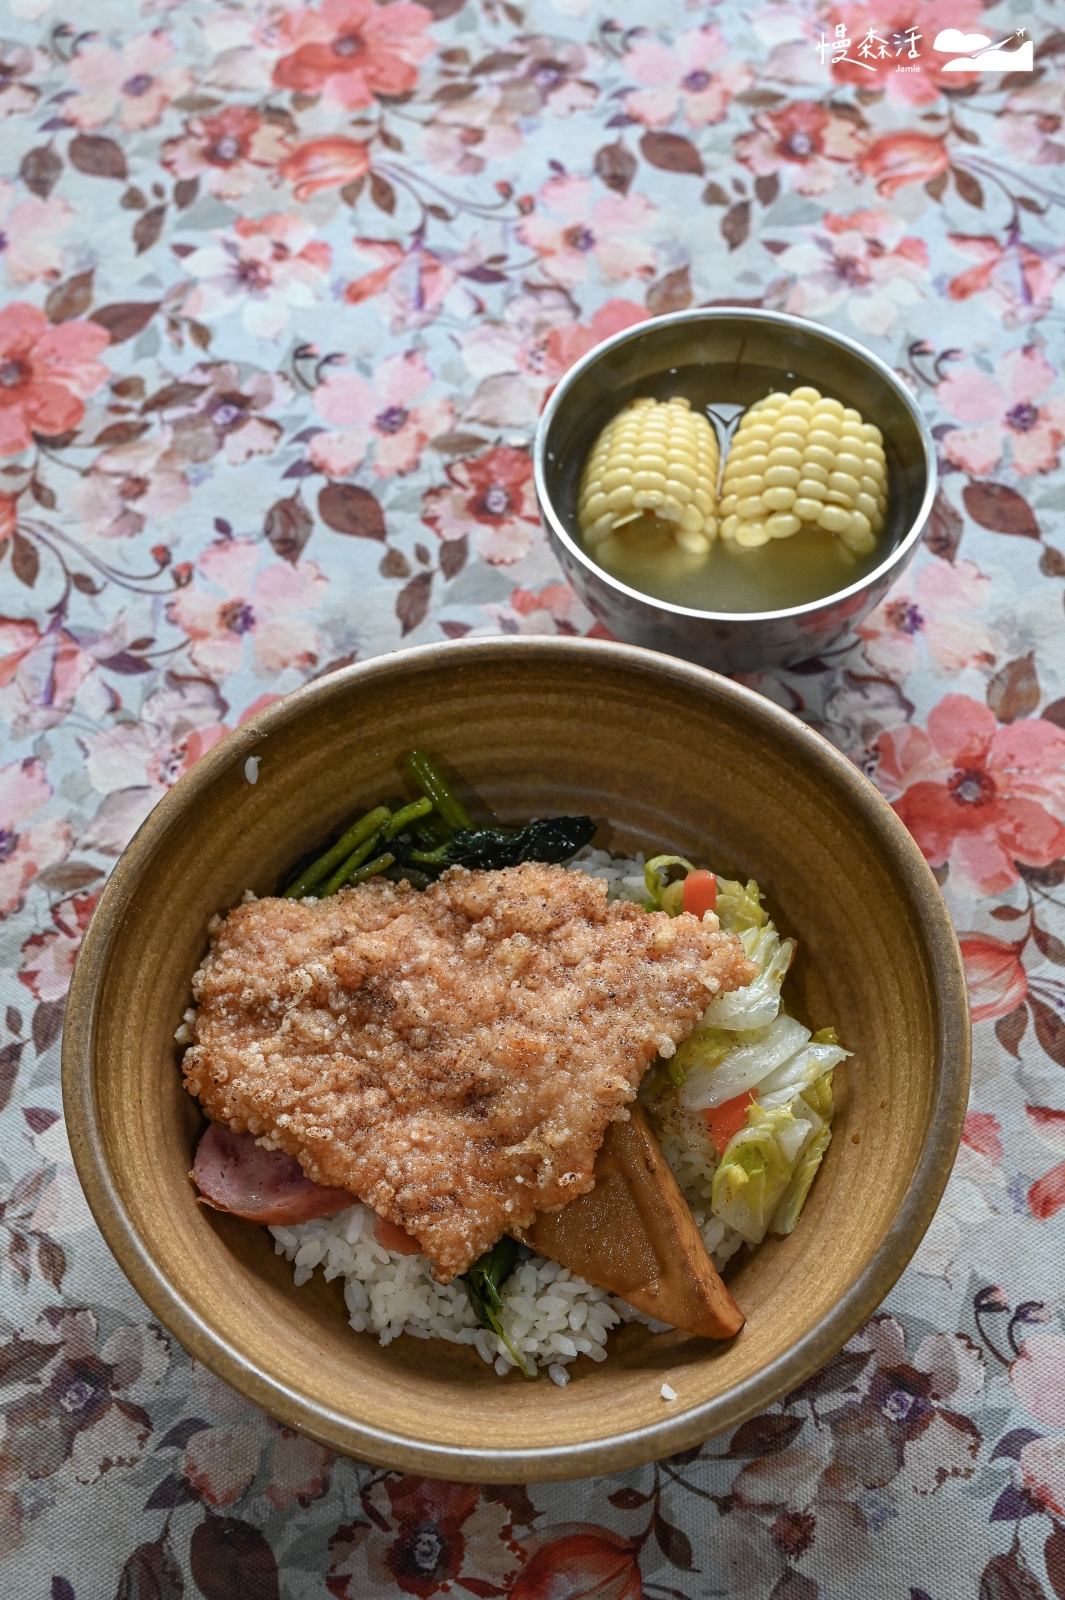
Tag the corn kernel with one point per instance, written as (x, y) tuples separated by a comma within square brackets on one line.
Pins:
[(783, 525), (749, 485), (696, 543), (778, 499), (834, 518)]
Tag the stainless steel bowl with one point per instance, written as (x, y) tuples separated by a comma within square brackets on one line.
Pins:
[(740, 348)]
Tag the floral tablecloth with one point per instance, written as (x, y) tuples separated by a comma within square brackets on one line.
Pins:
[(285, 290)]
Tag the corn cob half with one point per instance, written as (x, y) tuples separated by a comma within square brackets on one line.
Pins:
[(798, 460), (658, 459)]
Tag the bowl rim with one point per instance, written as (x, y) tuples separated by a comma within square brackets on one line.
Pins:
[(895, 557), (615, 1451)]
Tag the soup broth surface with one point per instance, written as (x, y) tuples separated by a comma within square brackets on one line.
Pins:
[(785, 572)]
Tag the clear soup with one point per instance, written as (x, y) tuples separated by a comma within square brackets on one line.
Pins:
[(806, 567)]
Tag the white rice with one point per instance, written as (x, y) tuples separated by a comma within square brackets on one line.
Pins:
[(549, 1315)]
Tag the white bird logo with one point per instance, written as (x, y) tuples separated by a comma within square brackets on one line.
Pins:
[(980, 55)]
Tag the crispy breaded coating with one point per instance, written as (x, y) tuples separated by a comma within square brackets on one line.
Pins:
[(452, 1057)]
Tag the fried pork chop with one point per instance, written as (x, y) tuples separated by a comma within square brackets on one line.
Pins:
[(452, 1057)]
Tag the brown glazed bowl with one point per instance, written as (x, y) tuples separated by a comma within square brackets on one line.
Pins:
[(666, 757), (730, 356)]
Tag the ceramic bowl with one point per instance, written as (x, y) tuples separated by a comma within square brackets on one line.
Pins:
[(731, 358), (665, 756)]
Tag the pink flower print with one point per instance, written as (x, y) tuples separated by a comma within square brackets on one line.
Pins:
[(680, 80), (229, 150), (903, 158), (220, 1462), (348, 51), (380, 413), (272, 608), (1047, 1194), (1004, 411), (934, 607), (1037, 1378), (865, 261), (178, 724), (803, 140), (1042, 1464), (325, 164), (28, 233), (609, 230), (975, 795), (24, 788), (428, 1538), (997, 981), (16, 63), (1022, 276), (135, 83), (983, 1133), (555, 609), (84, 1406), (226, 416), (48, 958), (46, 374), (1032, 124), (464, 137), (265, 267), (416, 281), (128, 485), (492, 497), (40, 673), (550, 353)]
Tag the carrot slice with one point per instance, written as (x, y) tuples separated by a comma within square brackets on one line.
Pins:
[(726, 1120), (700, 893)]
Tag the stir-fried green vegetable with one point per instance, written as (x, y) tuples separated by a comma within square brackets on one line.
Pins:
[(552, 839), (430, 834), (401, 820), (312, 876), (429, 778), (484, 1286)]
